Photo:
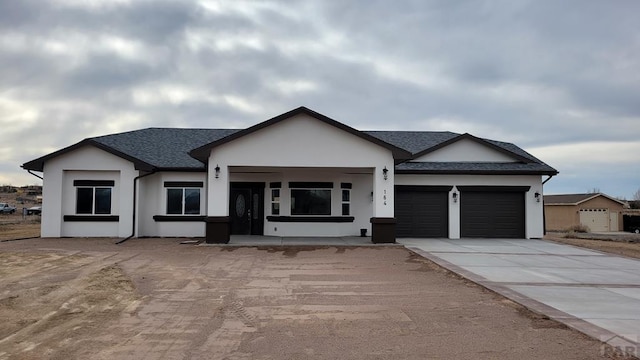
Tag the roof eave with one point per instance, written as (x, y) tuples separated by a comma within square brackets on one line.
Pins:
[(476, 172), (182, 169), (38, 164), (560, 204)]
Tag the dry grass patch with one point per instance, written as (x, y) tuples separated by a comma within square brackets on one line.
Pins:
[(608, 246), (19, 230)]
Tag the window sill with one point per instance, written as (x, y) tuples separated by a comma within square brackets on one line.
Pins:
[(311, 219), (178, 218), (92, 218)]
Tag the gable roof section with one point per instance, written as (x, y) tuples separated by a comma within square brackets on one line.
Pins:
[(38, 164), (202, 153), (423, 142), (148, 149), (575, 199), (491, 144)]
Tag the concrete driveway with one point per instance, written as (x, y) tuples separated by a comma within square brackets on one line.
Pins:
[(593, 292)]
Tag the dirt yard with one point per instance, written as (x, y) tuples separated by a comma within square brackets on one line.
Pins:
[(156, 299), (629, 245), (15, 226)]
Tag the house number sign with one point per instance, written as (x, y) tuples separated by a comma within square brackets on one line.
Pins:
[(384, 197)]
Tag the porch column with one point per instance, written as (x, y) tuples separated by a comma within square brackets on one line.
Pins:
[(218, 222), (383, 222)]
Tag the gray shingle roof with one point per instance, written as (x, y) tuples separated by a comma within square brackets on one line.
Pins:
[(168, 148), (575, 199), (413, 141), (164, 147), (474, 168), (567, 198)]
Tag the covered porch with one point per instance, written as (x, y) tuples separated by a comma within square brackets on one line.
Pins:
[(303, 203)]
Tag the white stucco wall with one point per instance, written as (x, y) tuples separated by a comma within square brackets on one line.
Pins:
[(466, 150), (534, 226), (303, 142), (153, 199), (59, 194)]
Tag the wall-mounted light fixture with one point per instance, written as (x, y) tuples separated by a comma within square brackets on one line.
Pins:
[(455, 196), (217, 169), (537, 196), (371, 196), (385, 173)]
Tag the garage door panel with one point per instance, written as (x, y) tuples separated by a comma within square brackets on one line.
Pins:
[(596, 219), (421, 214), (492, 214)]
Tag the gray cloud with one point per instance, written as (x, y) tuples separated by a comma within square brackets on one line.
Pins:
[(538, 73)]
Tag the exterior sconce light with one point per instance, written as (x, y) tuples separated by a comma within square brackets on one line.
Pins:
[(455, 196), (385, 173), (372, 196), (217, 169), (537, 196)]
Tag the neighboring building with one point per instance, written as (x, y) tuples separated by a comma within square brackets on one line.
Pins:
[(599, 212), (297, 174), (32, 190)]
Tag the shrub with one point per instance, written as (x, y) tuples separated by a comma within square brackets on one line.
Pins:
[(579, 228)]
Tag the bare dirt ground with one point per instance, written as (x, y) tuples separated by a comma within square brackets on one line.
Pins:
[(156, 299)]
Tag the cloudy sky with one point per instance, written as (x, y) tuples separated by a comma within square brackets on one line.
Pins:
[(559, 78)]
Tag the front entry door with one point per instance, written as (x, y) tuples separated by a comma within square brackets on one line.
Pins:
[(246, 208)]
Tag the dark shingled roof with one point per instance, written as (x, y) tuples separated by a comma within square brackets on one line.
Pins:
[(169, 149), (475, 168), (413, 141), (164, 147), (574, 199)]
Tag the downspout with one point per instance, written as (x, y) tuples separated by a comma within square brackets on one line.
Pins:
[(544, 216), (135, 196), (549, 178)]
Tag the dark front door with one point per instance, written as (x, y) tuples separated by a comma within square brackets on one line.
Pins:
[(246, 208)]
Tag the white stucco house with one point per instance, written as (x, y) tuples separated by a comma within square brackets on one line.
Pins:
[(297, 174)]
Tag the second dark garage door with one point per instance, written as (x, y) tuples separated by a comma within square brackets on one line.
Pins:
[(422, 211), (487, 212)]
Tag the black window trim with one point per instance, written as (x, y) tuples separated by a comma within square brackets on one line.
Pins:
[(93, 185), (311, 219), (183, 201), (319, 185), (91, 218), (183, 184), (179, 218)]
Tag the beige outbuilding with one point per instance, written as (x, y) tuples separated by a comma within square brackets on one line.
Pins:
[(597, 211)]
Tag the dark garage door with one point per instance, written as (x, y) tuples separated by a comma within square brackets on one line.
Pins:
[(492, 213), (422, 211)]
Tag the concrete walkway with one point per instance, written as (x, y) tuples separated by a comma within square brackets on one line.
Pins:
[(593, 292)]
